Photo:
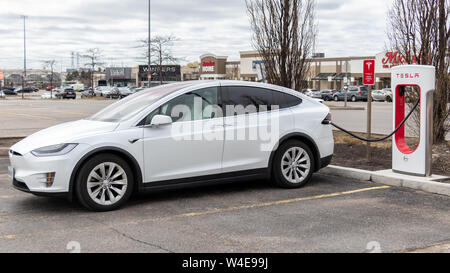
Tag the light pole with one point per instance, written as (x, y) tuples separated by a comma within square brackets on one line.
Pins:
[(24, 54), (149, 75)]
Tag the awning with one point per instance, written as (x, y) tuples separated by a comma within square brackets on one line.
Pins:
[(341, 76), (323, 76)]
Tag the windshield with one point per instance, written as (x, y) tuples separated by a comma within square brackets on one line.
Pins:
[(132, 105)]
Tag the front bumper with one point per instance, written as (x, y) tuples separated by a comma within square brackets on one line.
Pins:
[(30, 171)]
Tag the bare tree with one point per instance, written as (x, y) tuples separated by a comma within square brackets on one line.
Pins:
[(50, 64), (284, 34), (161, 51), (93, 55), (420, 31)]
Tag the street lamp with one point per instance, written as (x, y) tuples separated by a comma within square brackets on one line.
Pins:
[(149, 75), (24, 17)]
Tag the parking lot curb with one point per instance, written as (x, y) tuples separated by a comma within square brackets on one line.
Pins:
[(347, 108), (387, 177)]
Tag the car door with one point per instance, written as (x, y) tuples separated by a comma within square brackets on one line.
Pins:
[(253, 128), (192, 145)]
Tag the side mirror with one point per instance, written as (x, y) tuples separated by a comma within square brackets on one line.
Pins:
[(159, 120)]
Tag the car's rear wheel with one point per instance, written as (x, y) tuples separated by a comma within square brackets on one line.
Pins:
[(353, 99), (336, 98), (293, 165), (105, 182)]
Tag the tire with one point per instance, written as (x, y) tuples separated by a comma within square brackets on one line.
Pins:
[(98, 197), (336, 98), (283, 176), (353, 99), (388, 99)]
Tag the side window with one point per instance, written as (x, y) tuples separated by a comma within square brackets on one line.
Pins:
[(240, 100), (190, 106), (284, 100)]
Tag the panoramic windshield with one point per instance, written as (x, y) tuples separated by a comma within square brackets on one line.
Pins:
[(132, 105)]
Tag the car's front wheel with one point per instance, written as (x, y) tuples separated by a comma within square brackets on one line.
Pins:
[(293, 165), (105, 182)]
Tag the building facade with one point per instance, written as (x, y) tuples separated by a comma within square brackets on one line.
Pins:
[(213, 67), (325, 73), (168, 74)]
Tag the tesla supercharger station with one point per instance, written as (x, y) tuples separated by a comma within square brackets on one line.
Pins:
[(404, 159)]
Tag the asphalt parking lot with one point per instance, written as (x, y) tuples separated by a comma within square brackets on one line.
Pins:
[(329, 215), (24, 117)]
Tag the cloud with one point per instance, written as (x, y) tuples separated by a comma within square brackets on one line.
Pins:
[(56, 28)]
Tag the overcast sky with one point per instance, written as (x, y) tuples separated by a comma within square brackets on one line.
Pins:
[(55, 28)]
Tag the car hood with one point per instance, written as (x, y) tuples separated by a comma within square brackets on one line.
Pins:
[(68, 132)]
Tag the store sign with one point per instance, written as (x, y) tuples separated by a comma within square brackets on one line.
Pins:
[(208, 66), (369, 72), (118, 73), (394, 58), (168, 72)]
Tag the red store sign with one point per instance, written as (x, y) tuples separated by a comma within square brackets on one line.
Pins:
[(394, 58)]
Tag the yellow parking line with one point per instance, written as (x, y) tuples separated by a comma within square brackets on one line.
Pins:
[(281, 202), (193, 214)]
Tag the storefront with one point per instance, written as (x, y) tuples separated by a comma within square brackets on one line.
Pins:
[(213, 67), (164, 74), (119, 76), (325, 73)]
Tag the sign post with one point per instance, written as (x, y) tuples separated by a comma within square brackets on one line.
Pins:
[(369, 80)]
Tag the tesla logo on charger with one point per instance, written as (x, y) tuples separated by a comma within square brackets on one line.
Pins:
[(408, 75)]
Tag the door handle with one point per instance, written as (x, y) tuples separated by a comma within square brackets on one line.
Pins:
[(133, 140)]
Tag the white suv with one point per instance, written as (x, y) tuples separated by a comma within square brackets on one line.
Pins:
[(177, 135)]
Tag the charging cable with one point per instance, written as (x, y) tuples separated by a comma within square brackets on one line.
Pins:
[(379, 139)]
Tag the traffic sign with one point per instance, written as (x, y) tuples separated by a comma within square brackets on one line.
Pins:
[(369, 72)]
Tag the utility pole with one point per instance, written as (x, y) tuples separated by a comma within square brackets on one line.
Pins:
[(369, 122), (149, 74), (24, 55), (346, 84)]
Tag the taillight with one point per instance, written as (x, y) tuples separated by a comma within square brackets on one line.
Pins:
[(327, 120), (359, 93)]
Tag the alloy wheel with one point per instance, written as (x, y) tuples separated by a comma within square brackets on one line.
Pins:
[(295, 165), (107, 183)]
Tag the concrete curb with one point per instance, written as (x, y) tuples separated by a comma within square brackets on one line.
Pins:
[(392, 179), (347, 108)]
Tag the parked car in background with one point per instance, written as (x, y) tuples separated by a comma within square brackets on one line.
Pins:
[(48, 95), (68, 93), (378, 95), (388, 94), (309, 92), (88, 93), (113, 93), (26, 89), (316, 95), (354, 93), (98, 90), (327, 94), (9, 91), (125, 91)]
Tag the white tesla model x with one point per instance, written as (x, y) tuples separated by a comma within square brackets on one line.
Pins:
[(177, 135)]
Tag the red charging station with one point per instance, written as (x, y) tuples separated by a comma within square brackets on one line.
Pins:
[(413, 161)]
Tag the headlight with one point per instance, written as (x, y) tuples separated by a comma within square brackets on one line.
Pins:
[(54, 150)]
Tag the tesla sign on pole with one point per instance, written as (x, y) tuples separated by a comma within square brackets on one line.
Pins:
[(369, 79), (369, 72)]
